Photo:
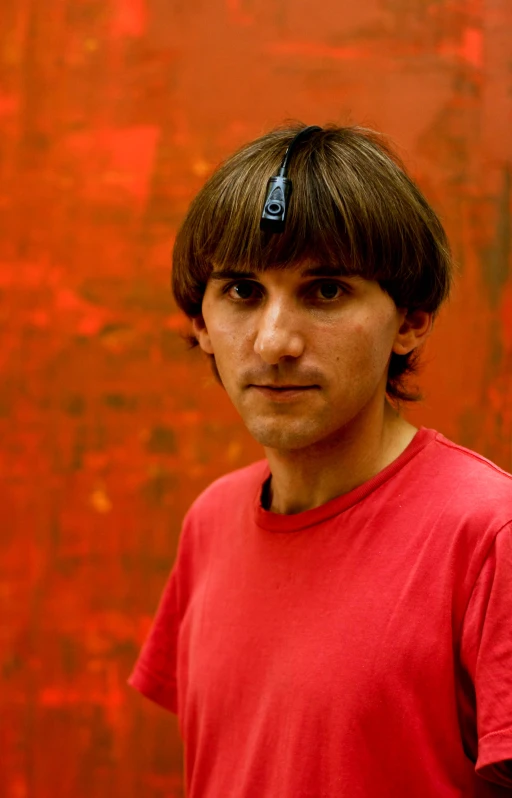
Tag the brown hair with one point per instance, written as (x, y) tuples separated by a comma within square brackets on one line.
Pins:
[(352, 204)]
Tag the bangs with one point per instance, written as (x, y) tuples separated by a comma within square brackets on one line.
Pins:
[(233, 237), (376, 228)]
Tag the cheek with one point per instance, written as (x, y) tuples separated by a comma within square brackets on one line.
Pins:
[(368, 342), (226, 341), (220, 332), (231, 351)]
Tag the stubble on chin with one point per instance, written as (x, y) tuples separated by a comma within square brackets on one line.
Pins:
[(283, 434)]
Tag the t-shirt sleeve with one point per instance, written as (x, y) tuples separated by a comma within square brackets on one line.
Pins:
[(486, 649), (154, 674)]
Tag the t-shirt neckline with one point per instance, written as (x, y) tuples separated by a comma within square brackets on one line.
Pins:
[(277, 522)]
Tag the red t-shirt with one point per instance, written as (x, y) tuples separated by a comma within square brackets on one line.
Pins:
[(359, 649)]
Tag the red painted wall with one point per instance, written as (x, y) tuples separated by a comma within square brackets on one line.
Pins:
[(112, 113)]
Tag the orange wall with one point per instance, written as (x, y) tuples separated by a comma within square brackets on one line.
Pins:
[(112, 113)]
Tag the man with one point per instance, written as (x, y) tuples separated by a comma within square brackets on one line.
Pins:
[(337, 622)]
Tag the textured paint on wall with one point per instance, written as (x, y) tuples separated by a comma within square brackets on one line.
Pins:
[(112, 114)]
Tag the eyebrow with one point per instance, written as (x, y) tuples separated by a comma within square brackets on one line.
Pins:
[(313, 271)]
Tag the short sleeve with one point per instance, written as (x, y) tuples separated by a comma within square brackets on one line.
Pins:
[(486, 652), (154, 674)]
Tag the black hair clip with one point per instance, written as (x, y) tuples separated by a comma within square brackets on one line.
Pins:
[(279, 189)]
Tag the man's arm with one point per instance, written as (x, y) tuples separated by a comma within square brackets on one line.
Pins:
[(486, 651)]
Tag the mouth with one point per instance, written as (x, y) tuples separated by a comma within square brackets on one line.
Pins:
[(280, 393)]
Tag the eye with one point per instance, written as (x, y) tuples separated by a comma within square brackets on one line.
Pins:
[(327, 290), (243, 290)]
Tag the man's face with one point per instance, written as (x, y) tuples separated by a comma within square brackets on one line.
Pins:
[(303, 352)]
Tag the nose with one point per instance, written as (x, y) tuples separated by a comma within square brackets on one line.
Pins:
[(278, 333)]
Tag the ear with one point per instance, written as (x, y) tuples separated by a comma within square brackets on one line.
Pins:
[(414, 331), (201, 333)]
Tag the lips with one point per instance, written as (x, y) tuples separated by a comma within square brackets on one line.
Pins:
[(282, 393), (285, 387), (281, 389)]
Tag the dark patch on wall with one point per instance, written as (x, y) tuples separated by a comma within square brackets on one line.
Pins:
[(74, 405), (162, 440), (119, 401), (12, 666), (495, 258), (173, 345), (159, 486)]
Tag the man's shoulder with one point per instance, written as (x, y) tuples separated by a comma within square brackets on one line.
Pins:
[(468, 465), (471, 483), (240, 488)]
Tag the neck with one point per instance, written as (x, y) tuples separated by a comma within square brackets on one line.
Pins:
[(307, 478)]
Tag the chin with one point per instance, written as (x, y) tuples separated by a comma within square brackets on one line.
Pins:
[(285, 437)]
